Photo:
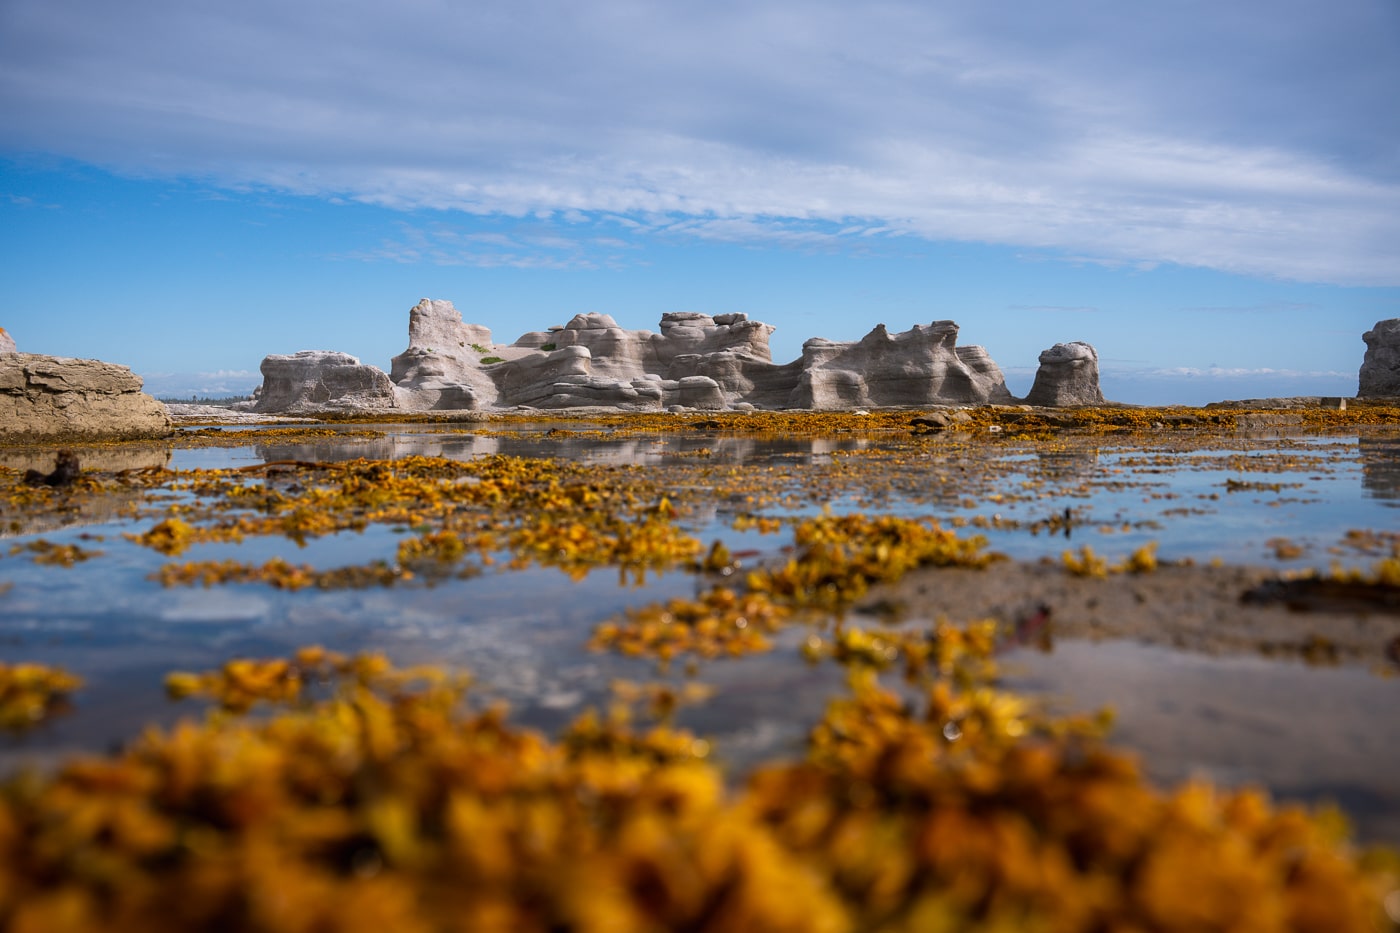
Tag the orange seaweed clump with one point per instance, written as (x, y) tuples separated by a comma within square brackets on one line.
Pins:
[(840, 557), (721, 622), (651, 542), (54, 555), (389, 808), (991, 821), (280, 574), (389, 805), (30, 693), (243, 682)]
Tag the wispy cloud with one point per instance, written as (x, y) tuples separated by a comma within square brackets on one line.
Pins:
[(1056, 309), (1083, 132), (535, 247), (1222, 372), (221, 383), (1269, 307)]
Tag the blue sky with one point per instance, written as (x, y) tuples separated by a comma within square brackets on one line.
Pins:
[(1209, 193)]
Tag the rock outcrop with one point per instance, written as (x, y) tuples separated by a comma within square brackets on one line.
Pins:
[(1068, 375), (696, 361), (921, 366), (319, 382), (7, 343), (1380, 368), (56, 397), (442, 368)]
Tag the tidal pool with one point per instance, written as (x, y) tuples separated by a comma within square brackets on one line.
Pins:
[(1289, 500)]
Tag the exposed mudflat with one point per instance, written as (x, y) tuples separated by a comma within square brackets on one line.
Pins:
[(1208, 609)]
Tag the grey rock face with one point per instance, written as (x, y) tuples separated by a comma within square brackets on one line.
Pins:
[(7, 343), (319, 381), (1380, 368), (442, 368), (920, 366), (1068, 375), (696, 361), (52, 396)]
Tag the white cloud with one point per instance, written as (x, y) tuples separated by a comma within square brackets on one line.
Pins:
[(1256, 138), (1226, 372), (219, 384)]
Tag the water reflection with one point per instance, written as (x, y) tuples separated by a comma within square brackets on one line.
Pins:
[(523, 633), (1380, 468), (1069, 463), (622, 450), (101, 459), (74, 510)]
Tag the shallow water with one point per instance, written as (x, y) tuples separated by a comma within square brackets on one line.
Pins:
[(1285, 500)]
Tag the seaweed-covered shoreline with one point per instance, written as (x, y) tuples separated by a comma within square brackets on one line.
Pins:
[(929, 790)]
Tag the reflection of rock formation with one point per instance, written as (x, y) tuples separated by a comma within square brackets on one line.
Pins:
[(1380, 467), (78, 508), (1380, 368), (52, 396), (1068, 375), (697, 361), (99, 459)]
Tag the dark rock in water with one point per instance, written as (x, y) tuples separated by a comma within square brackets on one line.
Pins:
[(935, 421), (65, 472), (1318, 594), (1380, 368), (1068, 375)]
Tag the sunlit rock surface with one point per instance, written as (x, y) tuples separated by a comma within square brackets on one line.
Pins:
[(920, 366), (1068, 375), (1380, 368), (52, 396), (319, 381), (442, 368), (696, 361)]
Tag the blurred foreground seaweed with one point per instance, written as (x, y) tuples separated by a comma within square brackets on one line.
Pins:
[(383, 801)]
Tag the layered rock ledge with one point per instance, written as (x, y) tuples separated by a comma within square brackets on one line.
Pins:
[(46, 397)]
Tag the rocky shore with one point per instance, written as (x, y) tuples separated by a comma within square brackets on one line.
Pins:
[(696, 362)]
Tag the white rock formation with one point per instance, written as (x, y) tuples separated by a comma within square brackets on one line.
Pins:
[(56, 397), (1068, 375), (321, 381), (442, 368), (696, 361), (920, 366), (7, 343), (1380, 368)]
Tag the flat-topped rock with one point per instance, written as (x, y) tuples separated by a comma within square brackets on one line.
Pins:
[(1068, 375), (1380, 368), (321, 381), (57, 397)]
